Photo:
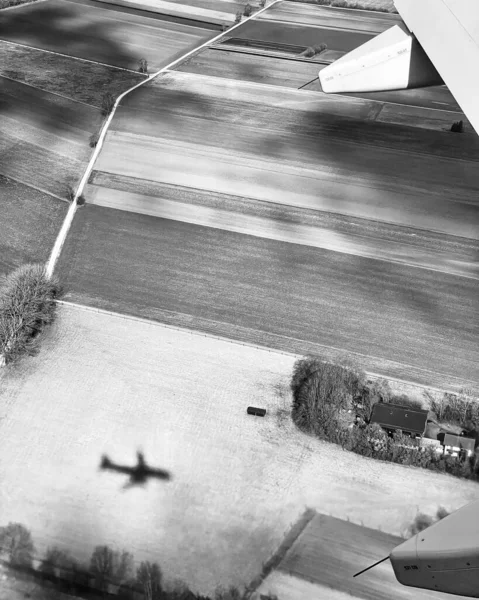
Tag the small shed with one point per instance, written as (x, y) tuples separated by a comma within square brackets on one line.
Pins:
[(392, 417), (456, 443)]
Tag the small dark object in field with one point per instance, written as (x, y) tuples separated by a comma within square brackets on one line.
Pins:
[(458, 126), (81, 200), (238, 17), (258, 412), (262, 3), (94, 140)]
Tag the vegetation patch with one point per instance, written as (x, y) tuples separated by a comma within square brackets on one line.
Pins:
[(386, 6), (8, 3), (325, 395), (109, 572), (27, 306)]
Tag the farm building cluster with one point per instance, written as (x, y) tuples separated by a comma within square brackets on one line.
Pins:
[(423, 424)]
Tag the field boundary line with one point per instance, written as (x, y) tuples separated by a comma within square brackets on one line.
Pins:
[(34, 187), (47, 92), (71, 212), (93, 62), (199, 333)]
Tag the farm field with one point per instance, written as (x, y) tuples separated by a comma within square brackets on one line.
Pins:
[(202, 11), (312, 123), (325, 557), (325, 16), (63, 75), (112, 37), (29, 224), (276, 294), (107, 384), (287, 155), (44, 138)]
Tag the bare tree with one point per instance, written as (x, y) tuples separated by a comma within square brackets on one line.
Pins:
[(149, 576), (16, 544), (109, 566)]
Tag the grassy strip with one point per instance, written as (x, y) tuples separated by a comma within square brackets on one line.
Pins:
[(385, 6), (27, 306), (289, 539)]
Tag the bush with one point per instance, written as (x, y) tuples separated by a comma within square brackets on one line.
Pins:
[(262, 3), (143, 65), (238, 17), (313, 50), (94, 139), (423, 521), (321, 390), (107, 104), (461, 408), (324, 2), (339, 3), (70, 193), (248, 10), (457, 126), (27, 305)]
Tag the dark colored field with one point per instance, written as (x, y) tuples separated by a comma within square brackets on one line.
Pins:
[(325, 16), (44, 137), (29, 224), (272, 292), (302, 35), (94, 33), (330, 551), (249, 67), (63, 75), (244, 124)]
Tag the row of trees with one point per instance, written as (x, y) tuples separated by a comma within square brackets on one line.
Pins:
[(324, 392), (109, 571), (356, 5)]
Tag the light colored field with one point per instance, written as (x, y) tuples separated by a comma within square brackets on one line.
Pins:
[(221, 13), (108, 384), (328, 185)]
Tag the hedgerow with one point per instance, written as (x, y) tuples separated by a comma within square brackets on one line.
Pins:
[(323, 392), (27, 306)]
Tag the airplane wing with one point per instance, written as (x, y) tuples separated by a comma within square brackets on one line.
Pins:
[(160, 473)]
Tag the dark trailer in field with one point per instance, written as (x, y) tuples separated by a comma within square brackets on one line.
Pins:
[(392, 417)]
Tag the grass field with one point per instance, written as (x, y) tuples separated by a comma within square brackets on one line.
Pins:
[(68, 77), (94, 33), (29, 224), (274, 293), (105, 384)]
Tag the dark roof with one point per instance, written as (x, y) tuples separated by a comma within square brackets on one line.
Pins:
[(392, 416), (459, 441)]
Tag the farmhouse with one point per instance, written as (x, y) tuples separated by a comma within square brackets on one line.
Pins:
[(392, 417)]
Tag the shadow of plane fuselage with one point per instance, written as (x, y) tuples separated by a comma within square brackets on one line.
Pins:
[(139, 474)]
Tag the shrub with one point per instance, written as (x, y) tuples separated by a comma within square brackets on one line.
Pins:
[(313, 50), (423, 521), (320, 390), (238, 17), (143, 65), (27, 305), (262, 3), (248, 10), (324, 2), (457, 126), (107, 103), (94, 140), (339, 3), (70, 193)]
